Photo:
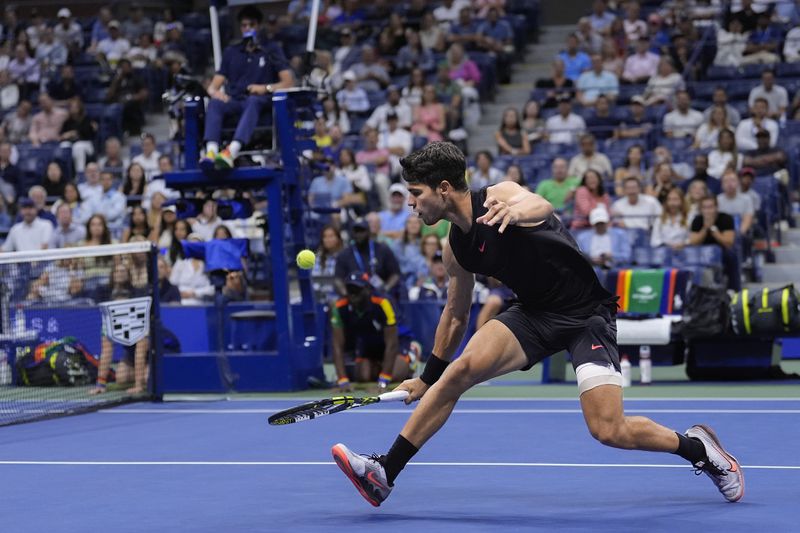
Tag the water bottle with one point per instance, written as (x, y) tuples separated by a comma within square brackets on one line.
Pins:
[(625, 366), (645, 364), (5, 369), (19, 322)]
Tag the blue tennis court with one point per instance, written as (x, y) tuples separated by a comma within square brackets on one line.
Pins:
[(507, 463)]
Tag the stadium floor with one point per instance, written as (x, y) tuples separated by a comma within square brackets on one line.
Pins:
[(512, 456)]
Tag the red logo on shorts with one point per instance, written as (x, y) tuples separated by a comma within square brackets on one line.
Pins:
[(596, 346), (482, 247)]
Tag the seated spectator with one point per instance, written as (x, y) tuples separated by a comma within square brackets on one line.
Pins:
[(352, 98), (91, 187), (188, 274), (720, 99), (38, 194), (114, 47), (712, 227), (137, 24), (634, 165), (746, 178), (111, 203), (113, 161), (682, 121), (601, 18), (765, 160), (466, 73), (638, 125), (149, 157), (663, 87), (50, 53), (776, 96), (588, 158), (612, 61), (434, 285), (601, 122), (24, 71), (9, 92), (251, 72), (664, 180), (394, 104), (179, 231), (431, 35), (207, 221), (514, 174), (447, 14), (575, 61), (558, 83), (497, 38), (46, 124), (635, 210), (748, 128), (532, 122), (595, 82), (590, 194), (635, 27), (724, 156), (167, 292), (355, 173), (64, 88), (565, 127), (67, 232), (560, 188), (662, 154), (332, 189), (368, 256), (707, 135), (762, 45), (347, 53), (137, 225), (589, 40), (334, 116), (31, 233), (791, 45), (429, 116), (72, 198), (697, 190), (131, 92), (330, 244), (465, 31), (642, 64), (733, 202), (67, 31), (78, 133), (144, 53), (9, 174), (371, 75), (398, 141), (510, 138), (606, 246), (731, 44), (672, 227), (483, 174), (54, 180), (372, 154), (61, 281), (414, 54), (393, 219), (411, 94)]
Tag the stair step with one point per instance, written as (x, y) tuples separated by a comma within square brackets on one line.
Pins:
[(787, 254), (788, 272), (792, 236)]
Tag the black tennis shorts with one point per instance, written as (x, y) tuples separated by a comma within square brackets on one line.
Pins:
[(590, 338)]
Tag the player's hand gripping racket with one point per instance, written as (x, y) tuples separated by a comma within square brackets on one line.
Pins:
[(328, 406)]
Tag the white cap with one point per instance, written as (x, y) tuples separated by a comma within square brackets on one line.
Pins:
[(598, 214), (64, 13), (398, 188), (349, 75)]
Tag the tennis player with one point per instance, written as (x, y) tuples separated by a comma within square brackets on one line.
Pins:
[(511, 234)]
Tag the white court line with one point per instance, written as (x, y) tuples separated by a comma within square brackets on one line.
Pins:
[(212, 398), (223, 411), (331, 463)]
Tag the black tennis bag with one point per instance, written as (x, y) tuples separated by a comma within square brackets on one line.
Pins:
[(766, 312), (706, 313), (65, 362)]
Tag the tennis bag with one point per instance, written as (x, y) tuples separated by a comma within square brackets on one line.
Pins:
[(706, 313), (65, 362), (766, 312)]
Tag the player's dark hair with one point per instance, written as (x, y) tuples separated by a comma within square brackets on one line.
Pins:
[(251, 13), (435, 163)]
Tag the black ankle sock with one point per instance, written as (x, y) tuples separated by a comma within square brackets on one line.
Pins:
[(398, 456), (690, 448)]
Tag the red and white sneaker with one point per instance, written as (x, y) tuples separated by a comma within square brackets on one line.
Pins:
[(365, 471), (723, 468)]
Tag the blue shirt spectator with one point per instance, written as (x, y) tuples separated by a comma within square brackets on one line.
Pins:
[(575, 61), (606, 246), (328, 190), (393, 220)]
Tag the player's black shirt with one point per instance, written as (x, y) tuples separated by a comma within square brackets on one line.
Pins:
[(542, 265)]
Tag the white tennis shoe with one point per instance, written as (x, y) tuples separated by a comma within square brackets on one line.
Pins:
[(723, 468), (365, 471)]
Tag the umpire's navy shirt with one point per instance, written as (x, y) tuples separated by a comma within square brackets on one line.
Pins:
[(242, 68)]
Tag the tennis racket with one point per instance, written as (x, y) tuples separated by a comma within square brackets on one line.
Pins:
[(328, 406)]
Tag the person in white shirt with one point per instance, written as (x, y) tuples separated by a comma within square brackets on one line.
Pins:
[(596, 81), (635, 27), (733, 202), (663, 86), (111, 203), (635, 210), (188, 274), (747, 128), (32, 233), (641, 65), (725, 155), (483, 174), (352, 98), (447, 14), (565, 126), (67, 31), (682, 121), (379, 118), (115, 47), (207, 221), (589, 158), (707, 135), (672, 227), (398, 141), (90, 188), (148, 159), (791, 46), (731, 44), (776, 96)]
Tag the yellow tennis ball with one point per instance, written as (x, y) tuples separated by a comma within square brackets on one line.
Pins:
[(306, 259)]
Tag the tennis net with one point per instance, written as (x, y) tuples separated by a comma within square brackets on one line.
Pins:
[(76, 332)]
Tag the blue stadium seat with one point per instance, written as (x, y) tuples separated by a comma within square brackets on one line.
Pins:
[(716, 72), (788, 70), (707, 256)]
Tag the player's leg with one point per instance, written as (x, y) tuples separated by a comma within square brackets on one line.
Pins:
[(124, 372), (106, 353), (140, 367), (402, 368), (365, 369)]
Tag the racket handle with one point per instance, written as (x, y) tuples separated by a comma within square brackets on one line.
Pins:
[(394, 396)]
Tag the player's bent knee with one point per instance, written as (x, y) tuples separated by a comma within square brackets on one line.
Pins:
[(609, 433), (459, 376)]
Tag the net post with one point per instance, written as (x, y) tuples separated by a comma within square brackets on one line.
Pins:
[(156, 346)]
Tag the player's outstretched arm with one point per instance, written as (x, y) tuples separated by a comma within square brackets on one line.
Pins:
[(509, 203), (453, 322)]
